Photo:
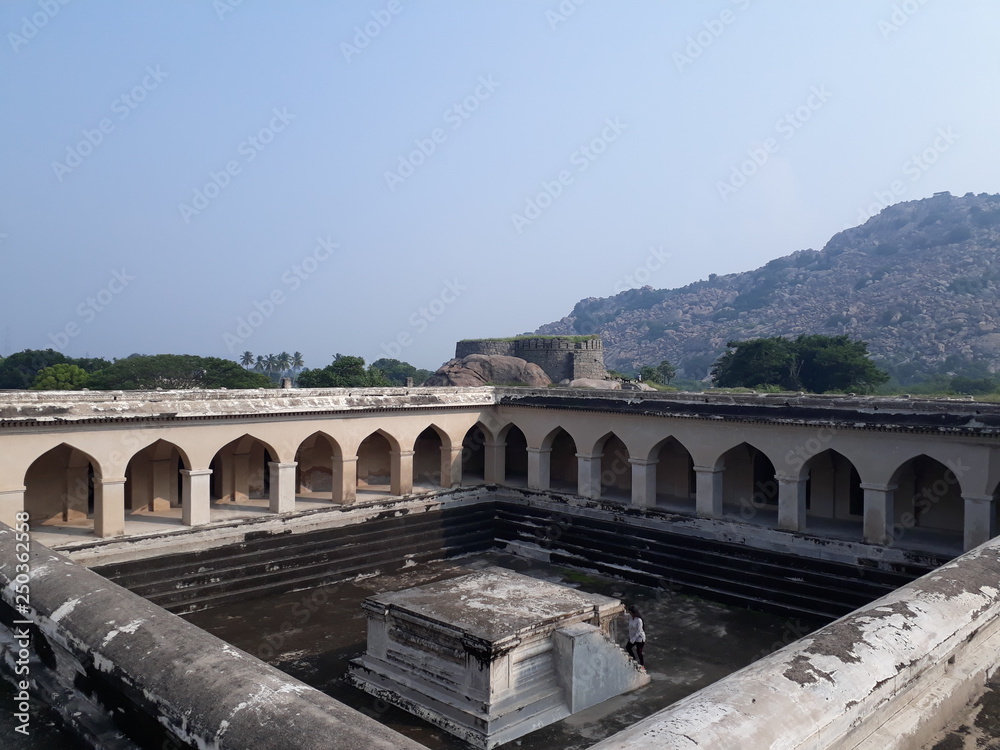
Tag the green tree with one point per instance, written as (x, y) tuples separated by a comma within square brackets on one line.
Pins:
[(246, 359), (175, 371), (397, 372), (344, 372), (19, 370), (746, 364), (813, 363), (297, 364), (649, 374), (283, 362), (61, 377), (666, 371)]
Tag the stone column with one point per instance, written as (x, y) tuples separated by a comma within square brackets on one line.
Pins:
[(588, 478), (11, 503), (494, 469), (643, 482), (109, 506), (451, 467), (402, 472), (281, 498), (539, 468), (879, 510), (708, 491), (241, 477), (980, 519), (196, 496), (791, 503), (345, 479)]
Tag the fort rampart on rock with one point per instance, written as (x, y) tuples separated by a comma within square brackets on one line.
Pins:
[(562, 358)]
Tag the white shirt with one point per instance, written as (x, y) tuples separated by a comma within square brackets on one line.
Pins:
[(635, 632)]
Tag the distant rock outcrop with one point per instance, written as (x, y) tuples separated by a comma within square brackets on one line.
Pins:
[(920, 282), (482, 369)]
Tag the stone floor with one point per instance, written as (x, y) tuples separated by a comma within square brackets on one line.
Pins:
[(312, 634)]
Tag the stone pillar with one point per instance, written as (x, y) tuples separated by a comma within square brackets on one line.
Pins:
[(196, 496), (878, 518), (162, 474), (494, 467), (77, 490), (109, 506), (241, 477), (708, 491), (539, 468), (402, 472), (643, 482), (11, 503), (980, 519), (282, 490), (345, 479), (588, 478), (791, 503), (451, 467)]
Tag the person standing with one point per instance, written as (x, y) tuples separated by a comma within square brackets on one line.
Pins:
[(636, 635)]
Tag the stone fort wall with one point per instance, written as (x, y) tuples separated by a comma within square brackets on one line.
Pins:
[(561, 358)]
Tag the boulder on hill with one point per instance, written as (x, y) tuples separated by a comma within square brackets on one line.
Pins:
[(484, 369)]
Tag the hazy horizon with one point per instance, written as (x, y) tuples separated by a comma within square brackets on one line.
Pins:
[(386, 178)]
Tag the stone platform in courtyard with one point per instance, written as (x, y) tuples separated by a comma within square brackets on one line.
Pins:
[(493, 655)]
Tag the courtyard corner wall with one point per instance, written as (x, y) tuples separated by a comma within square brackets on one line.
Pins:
[(561, 357), (156, 680), (886, 677)]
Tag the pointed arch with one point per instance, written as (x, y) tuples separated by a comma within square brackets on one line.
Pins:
[(749, 485), (675, 475), (316, 464), (427, 451), (153, 480), (515, 455), (833, 488), (616, 471), (928, 497), (60, 489), (564, 473), (241, 473), (375, 464), (474, 454)]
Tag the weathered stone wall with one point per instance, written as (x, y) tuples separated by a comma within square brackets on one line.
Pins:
[(561, 358), (886, 677), (144, 677)]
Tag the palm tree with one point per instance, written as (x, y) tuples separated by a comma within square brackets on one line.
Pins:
[(297, 364), (246, 359), (260, 364), (270, 362), (283, 362)]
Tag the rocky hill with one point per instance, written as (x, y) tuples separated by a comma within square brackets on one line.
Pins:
[(920, 282)]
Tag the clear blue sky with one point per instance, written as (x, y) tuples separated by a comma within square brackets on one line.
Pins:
[(311, 116)]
